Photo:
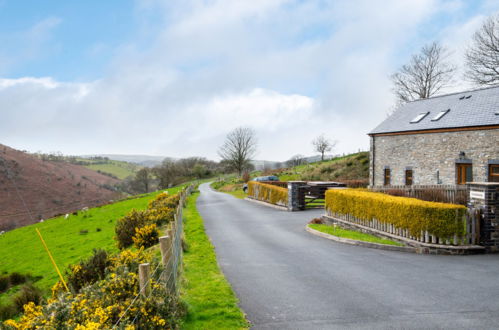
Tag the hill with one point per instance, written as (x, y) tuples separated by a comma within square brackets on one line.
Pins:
[(118, 169), (346, 168), (142, 160), (46, 188)]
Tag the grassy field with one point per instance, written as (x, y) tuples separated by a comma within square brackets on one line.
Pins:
[(209, 297), (340, 232), (119, 169), (69, 240)]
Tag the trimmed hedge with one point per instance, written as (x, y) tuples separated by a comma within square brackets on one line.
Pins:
[(439, 219), (268, 193)]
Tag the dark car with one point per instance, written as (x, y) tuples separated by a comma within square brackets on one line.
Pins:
[(261, 178)]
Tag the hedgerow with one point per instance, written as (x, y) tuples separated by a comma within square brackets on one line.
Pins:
[(439, 219), (102, 304), (268, 193)]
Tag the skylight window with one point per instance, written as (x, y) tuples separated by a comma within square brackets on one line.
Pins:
[(440, 115), (419, 117)]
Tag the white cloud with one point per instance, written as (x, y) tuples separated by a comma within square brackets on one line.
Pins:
[(291, 70)]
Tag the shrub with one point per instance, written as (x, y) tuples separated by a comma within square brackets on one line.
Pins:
[(88, 271), (125, 227), (146, 236), (7, 311), (28, 293), (442, 220), (165, 200), (17, 278), (101, 304), (268, 193), (4, 283), (160, 215)]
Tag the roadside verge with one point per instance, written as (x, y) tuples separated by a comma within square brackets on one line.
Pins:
[(210, 300)]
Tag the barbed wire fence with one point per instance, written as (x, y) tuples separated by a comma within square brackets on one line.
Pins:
[(167, 272)]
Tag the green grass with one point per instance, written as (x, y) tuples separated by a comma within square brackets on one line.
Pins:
[(211, 302), (119, 169), (23, 252), (355, 235)]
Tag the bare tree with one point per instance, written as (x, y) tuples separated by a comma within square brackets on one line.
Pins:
[(238, 149), (322, 144), (425, 75), (296, 160), (482, 57), (142, 181)]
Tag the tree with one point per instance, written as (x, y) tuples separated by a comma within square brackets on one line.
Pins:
[(425, 75), (322, 144), (142, 180), (239, 148), (482, 57), (296, 160)]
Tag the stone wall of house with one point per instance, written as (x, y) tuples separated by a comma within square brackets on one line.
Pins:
[(428, 153)]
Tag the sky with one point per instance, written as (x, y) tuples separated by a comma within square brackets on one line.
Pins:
[(173, 77)]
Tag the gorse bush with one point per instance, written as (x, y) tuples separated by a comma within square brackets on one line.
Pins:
[(125, 227), (160, 211), (88, 271), (27, 294), (101, 304), (442, 220), (4, 283), (268, 193), (146, 236)]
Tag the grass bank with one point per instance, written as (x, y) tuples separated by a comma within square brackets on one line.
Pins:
[(69, 240), (355, 235), (211, 301)]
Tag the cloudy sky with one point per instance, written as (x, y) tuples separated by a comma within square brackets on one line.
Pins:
[(174, 77)]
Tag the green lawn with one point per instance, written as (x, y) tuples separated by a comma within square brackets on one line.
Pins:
[(211, 302), (340, 232), (23, 252)]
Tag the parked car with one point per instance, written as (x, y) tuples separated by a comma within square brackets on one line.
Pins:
[(261, 178)]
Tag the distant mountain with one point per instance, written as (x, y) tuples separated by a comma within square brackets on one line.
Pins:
[(143, 160), (47, 188)]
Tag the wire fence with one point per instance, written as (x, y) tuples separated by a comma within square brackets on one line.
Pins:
[(167, 272)]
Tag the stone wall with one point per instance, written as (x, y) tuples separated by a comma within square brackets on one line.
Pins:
[(428, 153)]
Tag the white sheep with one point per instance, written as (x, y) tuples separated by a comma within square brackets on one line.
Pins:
[(85, 209), (2, 232), (66, 216)]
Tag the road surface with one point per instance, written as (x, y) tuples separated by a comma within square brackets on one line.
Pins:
[(286, 278)]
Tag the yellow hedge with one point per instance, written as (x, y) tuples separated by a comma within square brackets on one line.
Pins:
[(440, 219), (268, 193)]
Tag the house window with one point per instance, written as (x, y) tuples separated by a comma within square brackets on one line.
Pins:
[(408, 177), (464, 173), (387, 177), (494, 173)]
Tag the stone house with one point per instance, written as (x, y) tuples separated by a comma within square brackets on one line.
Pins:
[(449, 139)]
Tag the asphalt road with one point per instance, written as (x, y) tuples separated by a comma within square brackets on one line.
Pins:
[(286, 278)]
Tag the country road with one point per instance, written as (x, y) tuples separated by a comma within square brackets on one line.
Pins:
[(286, 278)]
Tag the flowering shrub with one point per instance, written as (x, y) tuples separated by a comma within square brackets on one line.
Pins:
[(146, 236), (160, 215), (102, 304), (125, 227), (88, 271)]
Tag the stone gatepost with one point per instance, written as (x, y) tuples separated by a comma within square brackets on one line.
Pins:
[(485, 196), (295, 200)]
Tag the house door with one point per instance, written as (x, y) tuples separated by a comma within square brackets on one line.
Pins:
[(464, 173)]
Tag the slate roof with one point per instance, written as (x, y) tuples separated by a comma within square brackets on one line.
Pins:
[(481, 109)]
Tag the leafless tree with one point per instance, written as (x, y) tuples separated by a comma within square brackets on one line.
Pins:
[(142, 181), (296, 160), (239, 148), (482, 57), (425, 75), (322, 144)]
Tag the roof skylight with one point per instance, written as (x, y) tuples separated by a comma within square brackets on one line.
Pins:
[(440, 115), (419, 117)]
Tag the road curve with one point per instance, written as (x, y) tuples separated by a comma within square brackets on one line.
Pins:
[(286, 278)]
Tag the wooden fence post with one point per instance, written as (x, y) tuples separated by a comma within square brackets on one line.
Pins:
[(165, 244), (145, 284)]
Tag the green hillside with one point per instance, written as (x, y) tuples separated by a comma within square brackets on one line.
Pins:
[(349, 167), (117, 168), (69, 240)]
